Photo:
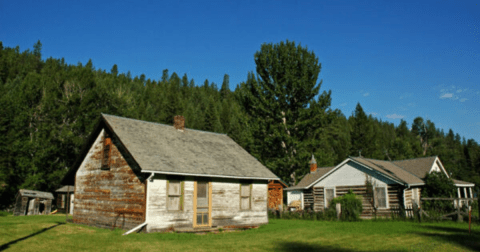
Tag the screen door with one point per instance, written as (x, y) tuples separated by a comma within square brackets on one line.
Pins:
[(202, 203)]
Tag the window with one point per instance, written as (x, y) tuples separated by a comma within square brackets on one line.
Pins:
[(329, 195), (62, 201), (175, 195), (381, 197), (245, 196), (107, 143)]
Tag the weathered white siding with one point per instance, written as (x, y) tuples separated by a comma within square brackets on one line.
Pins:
[(225, 205), (351, 174), (294, 196)]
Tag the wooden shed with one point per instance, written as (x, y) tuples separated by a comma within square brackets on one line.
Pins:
[(65, 197), (29, 202), (275, 194), (135, 174)]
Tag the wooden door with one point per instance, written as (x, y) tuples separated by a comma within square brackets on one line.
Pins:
[(202, 204)]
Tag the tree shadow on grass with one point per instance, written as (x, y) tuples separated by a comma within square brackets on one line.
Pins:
[(458, 236), (302, 246), (7, 245)]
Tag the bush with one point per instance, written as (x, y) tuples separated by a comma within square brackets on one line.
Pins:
[(351, 206), (3, 213)]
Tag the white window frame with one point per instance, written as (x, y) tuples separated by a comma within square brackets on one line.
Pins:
[(325, 195), (386, 197)]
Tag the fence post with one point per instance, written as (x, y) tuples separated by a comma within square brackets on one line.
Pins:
[(469, 219), (459, 216), (339, 210)]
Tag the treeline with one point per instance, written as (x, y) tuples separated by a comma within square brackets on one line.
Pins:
[(49, 107)]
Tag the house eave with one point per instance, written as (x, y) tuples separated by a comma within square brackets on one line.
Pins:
[(417, 184), (464, 185), (206, 175), (295, 189)]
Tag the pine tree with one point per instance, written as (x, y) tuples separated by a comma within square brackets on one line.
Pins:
[(280, 102)]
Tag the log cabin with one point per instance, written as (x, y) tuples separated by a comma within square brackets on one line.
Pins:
[(155, 177), (383, 185)]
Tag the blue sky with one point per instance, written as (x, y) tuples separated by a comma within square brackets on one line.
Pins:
[(399, 59)]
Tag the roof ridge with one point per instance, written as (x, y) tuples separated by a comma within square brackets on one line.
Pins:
[(368, 159), (406, 170), (392, 162), (166, 125), (414, 158)]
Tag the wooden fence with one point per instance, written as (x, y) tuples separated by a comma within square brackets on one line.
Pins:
[(457, 202)]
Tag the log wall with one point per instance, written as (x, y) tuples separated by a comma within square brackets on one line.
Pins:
[(395, 198), (109, 198)]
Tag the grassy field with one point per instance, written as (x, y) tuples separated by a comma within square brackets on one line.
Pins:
[(50, 233)]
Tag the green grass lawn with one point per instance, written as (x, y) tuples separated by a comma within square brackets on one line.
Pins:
[(50, 233)]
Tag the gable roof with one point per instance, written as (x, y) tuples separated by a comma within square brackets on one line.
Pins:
[(463, 183), (310, 178), (390, 170), (35, 194), (420, 167), (66, 189), (160, 148), (386, 168)]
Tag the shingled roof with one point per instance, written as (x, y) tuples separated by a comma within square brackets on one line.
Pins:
[(418, 166), (161, 148), (66, 189), (310, 178), (391, 170), (387, 168)]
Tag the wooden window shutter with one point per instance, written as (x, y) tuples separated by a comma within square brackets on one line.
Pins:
[(175, 195), (245, 196), (107, 149)]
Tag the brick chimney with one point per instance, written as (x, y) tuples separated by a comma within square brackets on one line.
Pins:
[(179, 122), (313, 165)]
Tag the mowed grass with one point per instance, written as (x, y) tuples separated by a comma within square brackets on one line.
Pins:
[(50, 233)]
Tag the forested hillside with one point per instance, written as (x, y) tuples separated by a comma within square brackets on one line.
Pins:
[(49, 107)]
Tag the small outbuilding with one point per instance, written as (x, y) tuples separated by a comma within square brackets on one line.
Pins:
[(65, 199), (29, 202), (275, 194)]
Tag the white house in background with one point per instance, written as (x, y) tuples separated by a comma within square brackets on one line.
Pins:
[(395, 184)]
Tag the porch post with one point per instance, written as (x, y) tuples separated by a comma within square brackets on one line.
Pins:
[(465, 191), (459, 195), (471, 194)]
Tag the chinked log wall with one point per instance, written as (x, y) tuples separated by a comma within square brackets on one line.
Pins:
[(317, 197), (109, 198)]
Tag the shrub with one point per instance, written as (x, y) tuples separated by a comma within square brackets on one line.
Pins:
[(351, 206), (437, 185)]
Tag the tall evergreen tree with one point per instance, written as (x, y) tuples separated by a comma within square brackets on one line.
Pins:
[(362, 134), (280, 102)]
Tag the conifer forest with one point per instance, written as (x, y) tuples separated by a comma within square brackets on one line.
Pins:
[(280, 114)]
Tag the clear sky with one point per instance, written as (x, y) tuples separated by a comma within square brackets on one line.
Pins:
[(399, 59)]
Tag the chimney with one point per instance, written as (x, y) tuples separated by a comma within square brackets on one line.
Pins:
[(313, 165), (179, 122)]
